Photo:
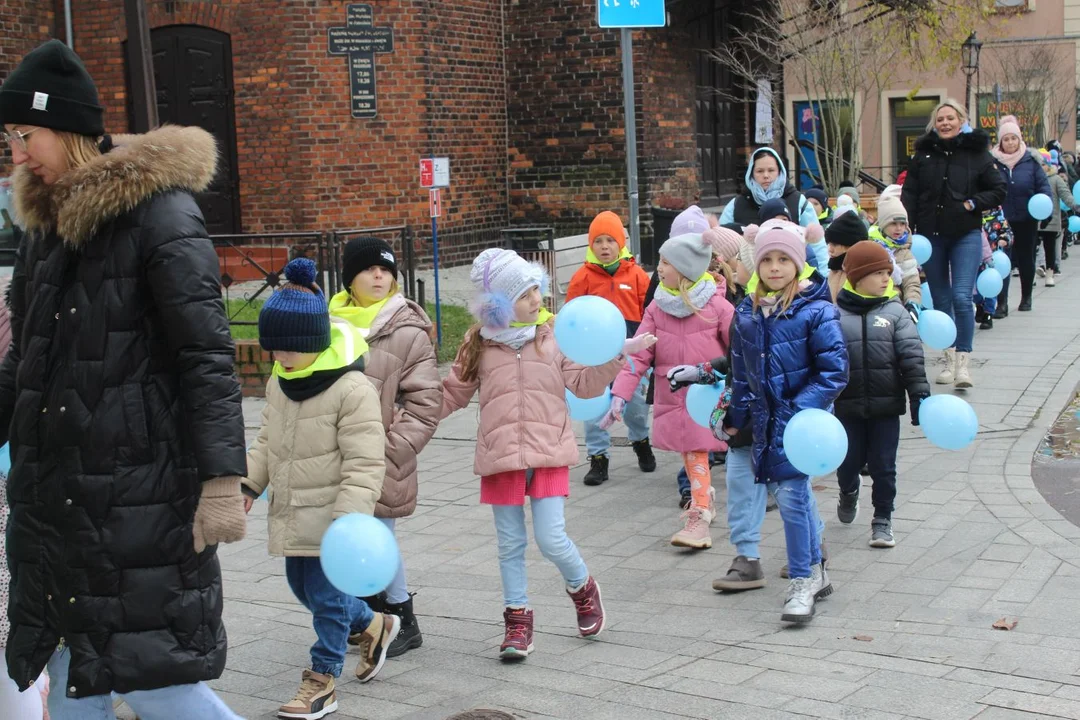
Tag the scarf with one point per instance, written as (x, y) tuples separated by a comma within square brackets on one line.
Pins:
[(590, 257), (836, 264), (362, 318), (1009, 160), (776, 188), (518, 334), (699, 294), (302, 388)]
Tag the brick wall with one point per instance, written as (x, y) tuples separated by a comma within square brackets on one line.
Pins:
[(253, 366), (304, 162), (24, 24)]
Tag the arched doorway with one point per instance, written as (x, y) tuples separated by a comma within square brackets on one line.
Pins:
[(194, 82)]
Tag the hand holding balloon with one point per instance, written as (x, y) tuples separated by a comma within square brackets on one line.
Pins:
[(639, 343)]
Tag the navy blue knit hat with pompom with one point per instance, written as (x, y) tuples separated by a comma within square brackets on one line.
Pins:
[(295, 318)]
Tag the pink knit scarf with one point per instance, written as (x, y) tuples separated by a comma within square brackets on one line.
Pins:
[(1009, 160)]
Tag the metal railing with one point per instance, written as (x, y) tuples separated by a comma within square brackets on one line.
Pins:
[(863, 176)]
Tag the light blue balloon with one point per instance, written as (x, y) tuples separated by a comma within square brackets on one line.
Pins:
[(1040, 206), (1074, 224), (1002, 263), (701, 400), (937, 329), (921, 248), (1063, 206), (927, 298), (5, 459), (815, 442), (590, 330), (948, 421), (586, 409), (989, 283), (1076, 188), (359, 555)]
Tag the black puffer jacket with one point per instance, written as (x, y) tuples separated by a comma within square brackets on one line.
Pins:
[(119, 398), (942, 175), (885, 356)]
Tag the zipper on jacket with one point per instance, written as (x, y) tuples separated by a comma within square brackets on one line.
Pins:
[(521, 412), (865, 368)]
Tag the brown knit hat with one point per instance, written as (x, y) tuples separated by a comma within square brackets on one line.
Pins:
[(865, 258)]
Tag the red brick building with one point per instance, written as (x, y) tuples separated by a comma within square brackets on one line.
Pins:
[(524, 97)]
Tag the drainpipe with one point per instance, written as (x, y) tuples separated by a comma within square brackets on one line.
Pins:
[(68, 31)]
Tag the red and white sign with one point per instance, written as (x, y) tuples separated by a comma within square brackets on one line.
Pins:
[(434, 172), (435, 204), (427, 172)]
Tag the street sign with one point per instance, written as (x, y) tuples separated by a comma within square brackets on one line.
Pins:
[(631, 13), (435, 203), (434, 172)]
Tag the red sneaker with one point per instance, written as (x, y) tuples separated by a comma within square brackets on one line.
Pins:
[(518, 640), (590, 608)]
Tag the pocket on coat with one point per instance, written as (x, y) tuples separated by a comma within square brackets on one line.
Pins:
[(313, 497), (135, 417)]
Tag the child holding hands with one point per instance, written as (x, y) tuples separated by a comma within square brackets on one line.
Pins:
[(788, 354), (525, 444)]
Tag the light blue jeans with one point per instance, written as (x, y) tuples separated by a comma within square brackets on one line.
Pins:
[(168, 703), (397, 592), (549, 531), (951, 272), (802, 524), (635, 417), (746, 500)]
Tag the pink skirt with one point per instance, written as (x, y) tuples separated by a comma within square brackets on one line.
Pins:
[(511, 487)]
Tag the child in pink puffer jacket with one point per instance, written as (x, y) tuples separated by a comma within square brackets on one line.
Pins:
[(525, 444), (692, 319)]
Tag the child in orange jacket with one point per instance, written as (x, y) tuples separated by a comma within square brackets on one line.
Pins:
[(611, 272)]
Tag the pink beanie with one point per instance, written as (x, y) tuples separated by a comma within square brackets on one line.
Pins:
[(1009, 126), (787, 237), (725, 243)]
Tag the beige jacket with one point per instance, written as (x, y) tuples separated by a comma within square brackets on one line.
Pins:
[(401, 365), (322, 458)]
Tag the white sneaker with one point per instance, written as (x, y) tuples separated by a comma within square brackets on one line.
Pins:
[(948, 375), (799, 606), (822, 587), (1041, 270), (1050, 278), (963, 373)]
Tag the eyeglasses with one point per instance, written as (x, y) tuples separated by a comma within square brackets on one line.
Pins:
[(17, 138)]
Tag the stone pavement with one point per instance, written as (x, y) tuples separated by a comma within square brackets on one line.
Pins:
[(907, 633)]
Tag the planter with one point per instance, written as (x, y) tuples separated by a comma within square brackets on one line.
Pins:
[(650, 247)]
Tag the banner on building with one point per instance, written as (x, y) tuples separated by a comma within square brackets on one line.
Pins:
[(763, 133), (1028, 107)]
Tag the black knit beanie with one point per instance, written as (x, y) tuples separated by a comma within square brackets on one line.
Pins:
[(846, 229), (51, 89), (365, 252)]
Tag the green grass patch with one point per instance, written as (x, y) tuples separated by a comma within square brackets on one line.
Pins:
[(456, 320)]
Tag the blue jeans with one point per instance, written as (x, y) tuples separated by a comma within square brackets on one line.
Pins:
[(397, 591), (549, 531), (802, 524), (635, 417), (951, 272), (334, 614), (745, 502), (197, 700)]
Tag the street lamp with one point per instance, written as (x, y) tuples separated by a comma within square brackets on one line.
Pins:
[(969, 55)]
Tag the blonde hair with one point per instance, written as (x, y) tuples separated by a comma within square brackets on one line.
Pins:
[(80, 149), (725, 270), (787, 294), (950, 103)]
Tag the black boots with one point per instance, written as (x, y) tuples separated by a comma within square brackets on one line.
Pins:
[(409, 637), (598, 467), (645, 459)]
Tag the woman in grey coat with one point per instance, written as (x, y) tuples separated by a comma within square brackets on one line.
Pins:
[(1050, 229)]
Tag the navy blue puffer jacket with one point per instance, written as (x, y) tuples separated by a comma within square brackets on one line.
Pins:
[(1024, 180), (781, 365)]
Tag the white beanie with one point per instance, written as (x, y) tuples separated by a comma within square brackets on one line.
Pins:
[(690, 254), (501, 277), (890, 210)]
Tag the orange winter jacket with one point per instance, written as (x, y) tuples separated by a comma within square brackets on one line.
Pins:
[(626, 288)]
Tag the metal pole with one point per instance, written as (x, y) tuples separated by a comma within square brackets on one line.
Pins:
[(141, 66), (967, 95), (631, 139), (69, 31), (435, 261)]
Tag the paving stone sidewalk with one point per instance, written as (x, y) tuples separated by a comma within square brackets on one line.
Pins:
[(907, 633)]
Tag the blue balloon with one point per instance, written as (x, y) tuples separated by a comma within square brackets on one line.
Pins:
[(590, 330), (1063, 206), (921, 248), (948, 421), (815, 442), (989, 283), (586, 409), (1002, 263), (5, 460), (1040, 206), (701, 400), (1076, 188), (359, 555), (937, 329), (1074, 224), (927, 298)]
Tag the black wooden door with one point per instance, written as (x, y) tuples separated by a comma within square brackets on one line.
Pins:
[(193, 78), (716, 122)]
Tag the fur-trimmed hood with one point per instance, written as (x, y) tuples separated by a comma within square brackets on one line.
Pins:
[(137, 167), (975, 141)]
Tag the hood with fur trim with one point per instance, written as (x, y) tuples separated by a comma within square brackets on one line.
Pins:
[(137, 167), (974, 141)]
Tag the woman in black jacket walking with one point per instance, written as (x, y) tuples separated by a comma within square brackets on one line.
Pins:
[(951, 180), (121, 407)]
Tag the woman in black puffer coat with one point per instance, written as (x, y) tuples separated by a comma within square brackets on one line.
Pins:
[(120, 403), (951, 180)]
